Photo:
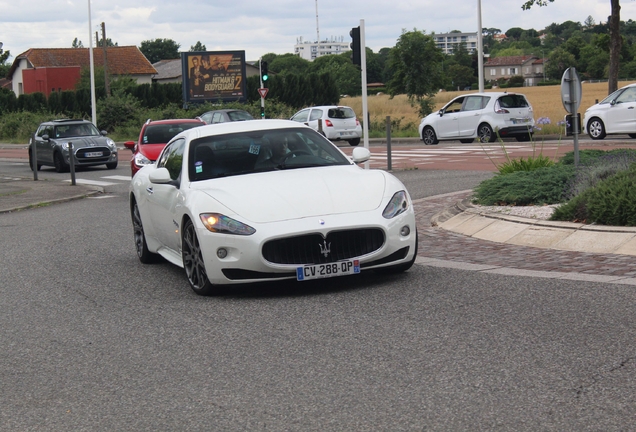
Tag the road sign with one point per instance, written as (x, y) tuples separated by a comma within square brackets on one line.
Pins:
[(571, 90), (263, 92)]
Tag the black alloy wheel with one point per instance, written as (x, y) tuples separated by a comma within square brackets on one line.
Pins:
[(193, 262)]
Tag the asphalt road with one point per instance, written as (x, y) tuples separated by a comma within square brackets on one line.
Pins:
[(93, 340)]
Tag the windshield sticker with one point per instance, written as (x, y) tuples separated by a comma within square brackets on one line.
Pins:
[(198, 167), (255, 149)]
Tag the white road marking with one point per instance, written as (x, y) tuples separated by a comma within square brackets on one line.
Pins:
[(118, 177), (92, 182)]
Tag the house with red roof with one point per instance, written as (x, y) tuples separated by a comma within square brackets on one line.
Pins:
[(531, 68), (56, 69)]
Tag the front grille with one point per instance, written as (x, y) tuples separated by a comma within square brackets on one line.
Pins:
[(312, 248), (80, 154)]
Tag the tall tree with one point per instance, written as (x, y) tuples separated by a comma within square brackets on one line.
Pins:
[(615, 38), (197, 47), (416, 64), (4, 67), (159, 49), (77, 43)]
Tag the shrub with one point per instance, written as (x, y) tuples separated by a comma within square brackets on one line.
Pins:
[(594, 170), (541, 186), (611, 202)]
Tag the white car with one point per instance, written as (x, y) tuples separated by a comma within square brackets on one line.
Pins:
[(616, 114), (485, 116), (218, 203), (337, 122)]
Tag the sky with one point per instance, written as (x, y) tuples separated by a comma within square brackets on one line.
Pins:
[(271, 26)]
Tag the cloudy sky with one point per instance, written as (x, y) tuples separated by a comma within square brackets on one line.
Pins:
[(265, 26)]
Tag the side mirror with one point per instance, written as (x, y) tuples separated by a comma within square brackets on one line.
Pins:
[(103, 132), (441, 112), (130, 145), (45, 137), (613, 102), (160, 176), (360, 154)]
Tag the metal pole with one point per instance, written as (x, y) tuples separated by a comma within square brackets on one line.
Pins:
[(388, 143), (480, 49), (34, 157), (575, 120), (363, 68), (92, 66), (260, 77), (71, 161)]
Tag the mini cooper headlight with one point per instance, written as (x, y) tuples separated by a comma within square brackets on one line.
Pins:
[(398, 204), (111, 144), (219, 223)]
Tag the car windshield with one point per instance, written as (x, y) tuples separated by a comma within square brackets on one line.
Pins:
[(513, 101), (162, 133), (259, 151), (340, 113), (76, 130), (239, 115)]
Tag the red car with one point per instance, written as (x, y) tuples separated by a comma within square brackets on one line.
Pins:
[(153, 138)]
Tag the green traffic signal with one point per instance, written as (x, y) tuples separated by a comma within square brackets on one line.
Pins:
[(264, 73)]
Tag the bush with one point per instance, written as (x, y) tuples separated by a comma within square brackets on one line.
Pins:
[(594, 170), (538, 187), (611, 202)]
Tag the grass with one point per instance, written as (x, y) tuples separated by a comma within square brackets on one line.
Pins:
[(545, 101)]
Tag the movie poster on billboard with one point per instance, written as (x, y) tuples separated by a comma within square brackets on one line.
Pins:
[(213, 76)]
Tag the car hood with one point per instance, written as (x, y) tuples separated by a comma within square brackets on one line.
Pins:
[(151, 151), (293, 194)]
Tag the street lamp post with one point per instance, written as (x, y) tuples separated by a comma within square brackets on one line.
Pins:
[(480, 49), (92, 66)]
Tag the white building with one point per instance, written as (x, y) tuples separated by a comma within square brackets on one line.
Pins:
[(312, 50), (447, 42)]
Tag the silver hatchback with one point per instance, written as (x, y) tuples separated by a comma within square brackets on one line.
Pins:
[(334, 122)]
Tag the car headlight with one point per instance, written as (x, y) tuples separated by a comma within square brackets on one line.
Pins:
[(398, 204), (111, 144), (141, 160), (218, 223)]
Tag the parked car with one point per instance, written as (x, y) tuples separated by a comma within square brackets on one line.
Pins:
[(219, 204), (90, 146), (153, 138), (225, 115), (484, 116), (337, 122), (616, 114)]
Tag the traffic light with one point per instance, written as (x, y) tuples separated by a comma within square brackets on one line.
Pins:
[(355, 46), (264, 74)]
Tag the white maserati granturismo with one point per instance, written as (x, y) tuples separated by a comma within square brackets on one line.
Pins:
[(268, 200)]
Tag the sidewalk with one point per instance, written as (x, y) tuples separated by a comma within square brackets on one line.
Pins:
[(462, 218), (21, 193)]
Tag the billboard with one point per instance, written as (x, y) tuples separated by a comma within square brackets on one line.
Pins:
[(213, 76)]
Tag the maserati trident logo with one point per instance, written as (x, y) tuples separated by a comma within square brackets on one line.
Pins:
[(325, 248)]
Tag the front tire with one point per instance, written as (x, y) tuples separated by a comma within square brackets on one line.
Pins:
[(354, 142), (144, 255), (193, 262), (485, 134), (428, 136), (596, 129), (58, 163), (111, 165)]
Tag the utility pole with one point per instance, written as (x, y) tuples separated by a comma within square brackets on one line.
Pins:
[(106, 83)]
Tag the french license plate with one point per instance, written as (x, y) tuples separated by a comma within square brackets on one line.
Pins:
[(93, 154), (346, 134), (319, 271), (519, 121)]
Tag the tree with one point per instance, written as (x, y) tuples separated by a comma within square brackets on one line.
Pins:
[(287, 63), (109, 43), (4, 67), (77, 43), (197, 47), (416, 65), (558, 61), (615, 38), (346, 75), (159, 49)]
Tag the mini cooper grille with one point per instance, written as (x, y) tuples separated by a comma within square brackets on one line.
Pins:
[(315, 249), (81, 154)]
